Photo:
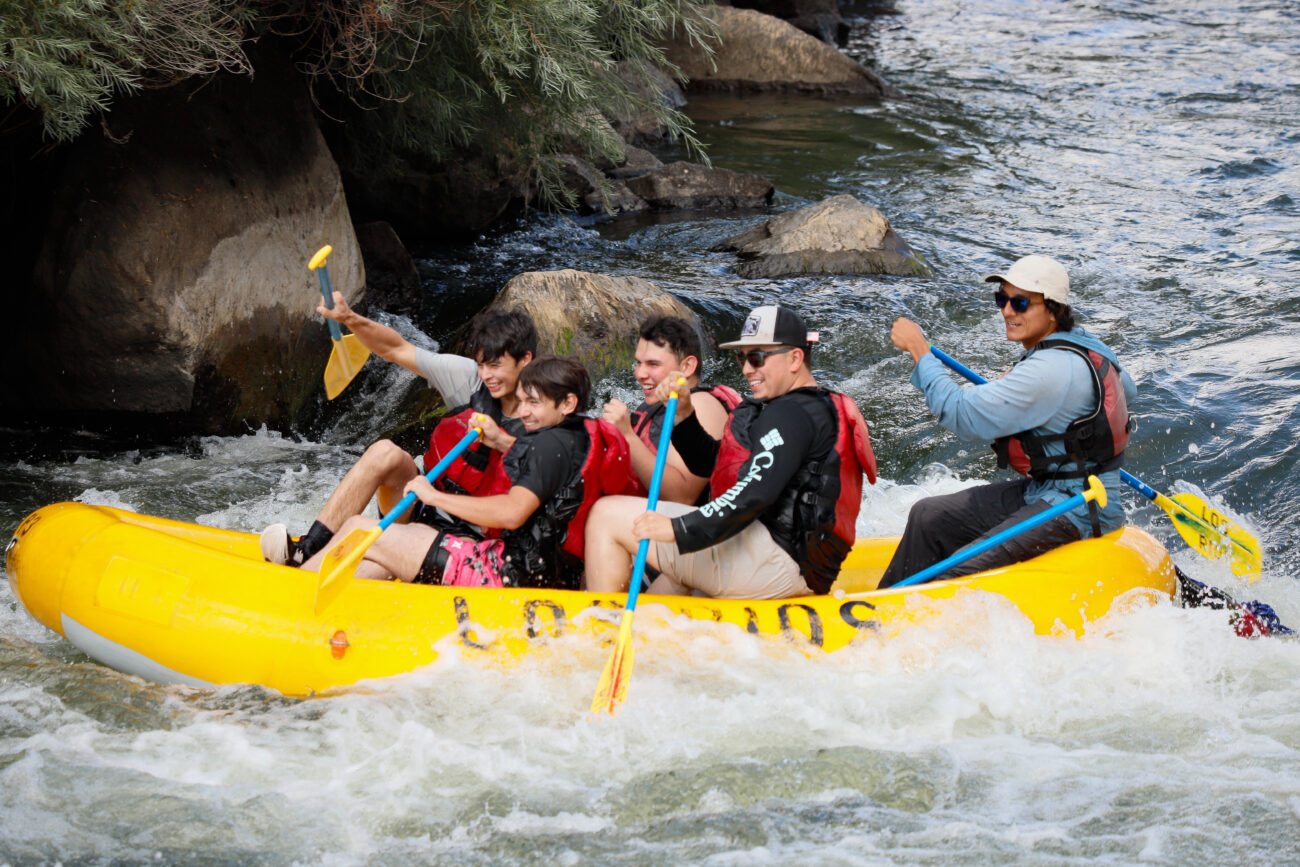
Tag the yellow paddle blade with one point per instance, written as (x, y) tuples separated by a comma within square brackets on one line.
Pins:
[(346, 360), (612, 689), (341, 561), (1212, 533)]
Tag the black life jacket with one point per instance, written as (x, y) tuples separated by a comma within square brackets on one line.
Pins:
[(547, 551), (816, 516), (1094, 442)]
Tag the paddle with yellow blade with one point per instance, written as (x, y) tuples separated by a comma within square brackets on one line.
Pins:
[(1095, 491), (349, 353), (341, 560), (1208, 531), (612, 688)]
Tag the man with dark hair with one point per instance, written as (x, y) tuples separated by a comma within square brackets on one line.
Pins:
[(669, 343), (535, 508), (785, 484), (501, 343), (1059, 415)]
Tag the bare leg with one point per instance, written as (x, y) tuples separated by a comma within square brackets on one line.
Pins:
[(401, 549), (384, 469), (611, 546)]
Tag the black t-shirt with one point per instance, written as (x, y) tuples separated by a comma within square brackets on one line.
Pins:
[(545, 460), (789, 432)]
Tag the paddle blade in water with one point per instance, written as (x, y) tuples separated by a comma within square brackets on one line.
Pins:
[(1212, 533), (346, 360), (341, 561), (612, 689)]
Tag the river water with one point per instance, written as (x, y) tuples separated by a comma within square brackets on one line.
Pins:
[(1152, 147)]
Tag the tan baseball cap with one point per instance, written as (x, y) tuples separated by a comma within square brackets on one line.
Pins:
[(1041, 274)]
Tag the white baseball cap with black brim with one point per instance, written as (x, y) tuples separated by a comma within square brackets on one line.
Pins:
[(774, 324), (1041, 274)]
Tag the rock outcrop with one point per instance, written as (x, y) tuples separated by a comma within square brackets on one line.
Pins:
[(837, 236), (392, 278), (172, 276), (687, 185), (595, 317), (760, 53), (821, 18)]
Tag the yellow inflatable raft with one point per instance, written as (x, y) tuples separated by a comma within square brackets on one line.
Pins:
[(181, 603)]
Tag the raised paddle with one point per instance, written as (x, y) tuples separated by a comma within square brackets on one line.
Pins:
[(341, 560), (349, 353), (612, 688), (1096, 491), (1207, 530)]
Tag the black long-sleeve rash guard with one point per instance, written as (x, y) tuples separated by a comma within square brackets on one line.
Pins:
[(790, 431)]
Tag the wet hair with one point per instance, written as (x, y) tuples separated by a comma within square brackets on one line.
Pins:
[(1064, 316), (555, 378), (675, 334), (495, 333)]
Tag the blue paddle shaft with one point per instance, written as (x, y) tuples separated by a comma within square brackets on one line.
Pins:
[(1132, 481), (327, 289), (441, 467), (652, 501), (993, 541)]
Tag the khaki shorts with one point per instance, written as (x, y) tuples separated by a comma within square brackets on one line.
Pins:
[(749, 565)]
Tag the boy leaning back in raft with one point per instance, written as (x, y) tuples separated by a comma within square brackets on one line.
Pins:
[(785, 484), (533, 507), (501, 343), (1059, 415)]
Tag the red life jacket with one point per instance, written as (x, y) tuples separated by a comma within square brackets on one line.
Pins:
[(551, 543), (816, 518), (1094, 443), (648, 421), (477, 471)]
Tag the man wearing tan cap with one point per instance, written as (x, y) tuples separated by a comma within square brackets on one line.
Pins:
[(785, 484), (1058, 416)]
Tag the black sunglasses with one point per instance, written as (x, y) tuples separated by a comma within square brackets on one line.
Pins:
[(758, 357), (1019, 303)]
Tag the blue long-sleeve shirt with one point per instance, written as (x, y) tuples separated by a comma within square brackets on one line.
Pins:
[(1047, 390)]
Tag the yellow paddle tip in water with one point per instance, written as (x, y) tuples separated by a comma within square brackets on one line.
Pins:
[(1213, 534), (341, 561), (319, 259), (612, 689), (347, 358)]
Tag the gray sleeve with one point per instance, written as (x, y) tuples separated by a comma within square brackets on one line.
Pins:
[(454, 376)]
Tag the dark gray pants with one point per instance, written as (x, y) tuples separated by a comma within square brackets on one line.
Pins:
[(938, 527)]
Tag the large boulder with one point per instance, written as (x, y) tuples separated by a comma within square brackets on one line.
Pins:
[(172, 276), (595, 317), (392, 278), (757, 52), (687, 185), (837, 236)]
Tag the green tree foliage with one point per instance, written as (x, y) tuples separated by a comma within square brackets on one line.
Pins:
[(511, 80), (65, 59)]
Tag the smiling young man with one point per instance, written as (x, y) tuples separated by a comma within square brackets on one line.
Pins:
[(500, 345), (1058, 416), (785, 484), (667, 344), (534, 508)]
